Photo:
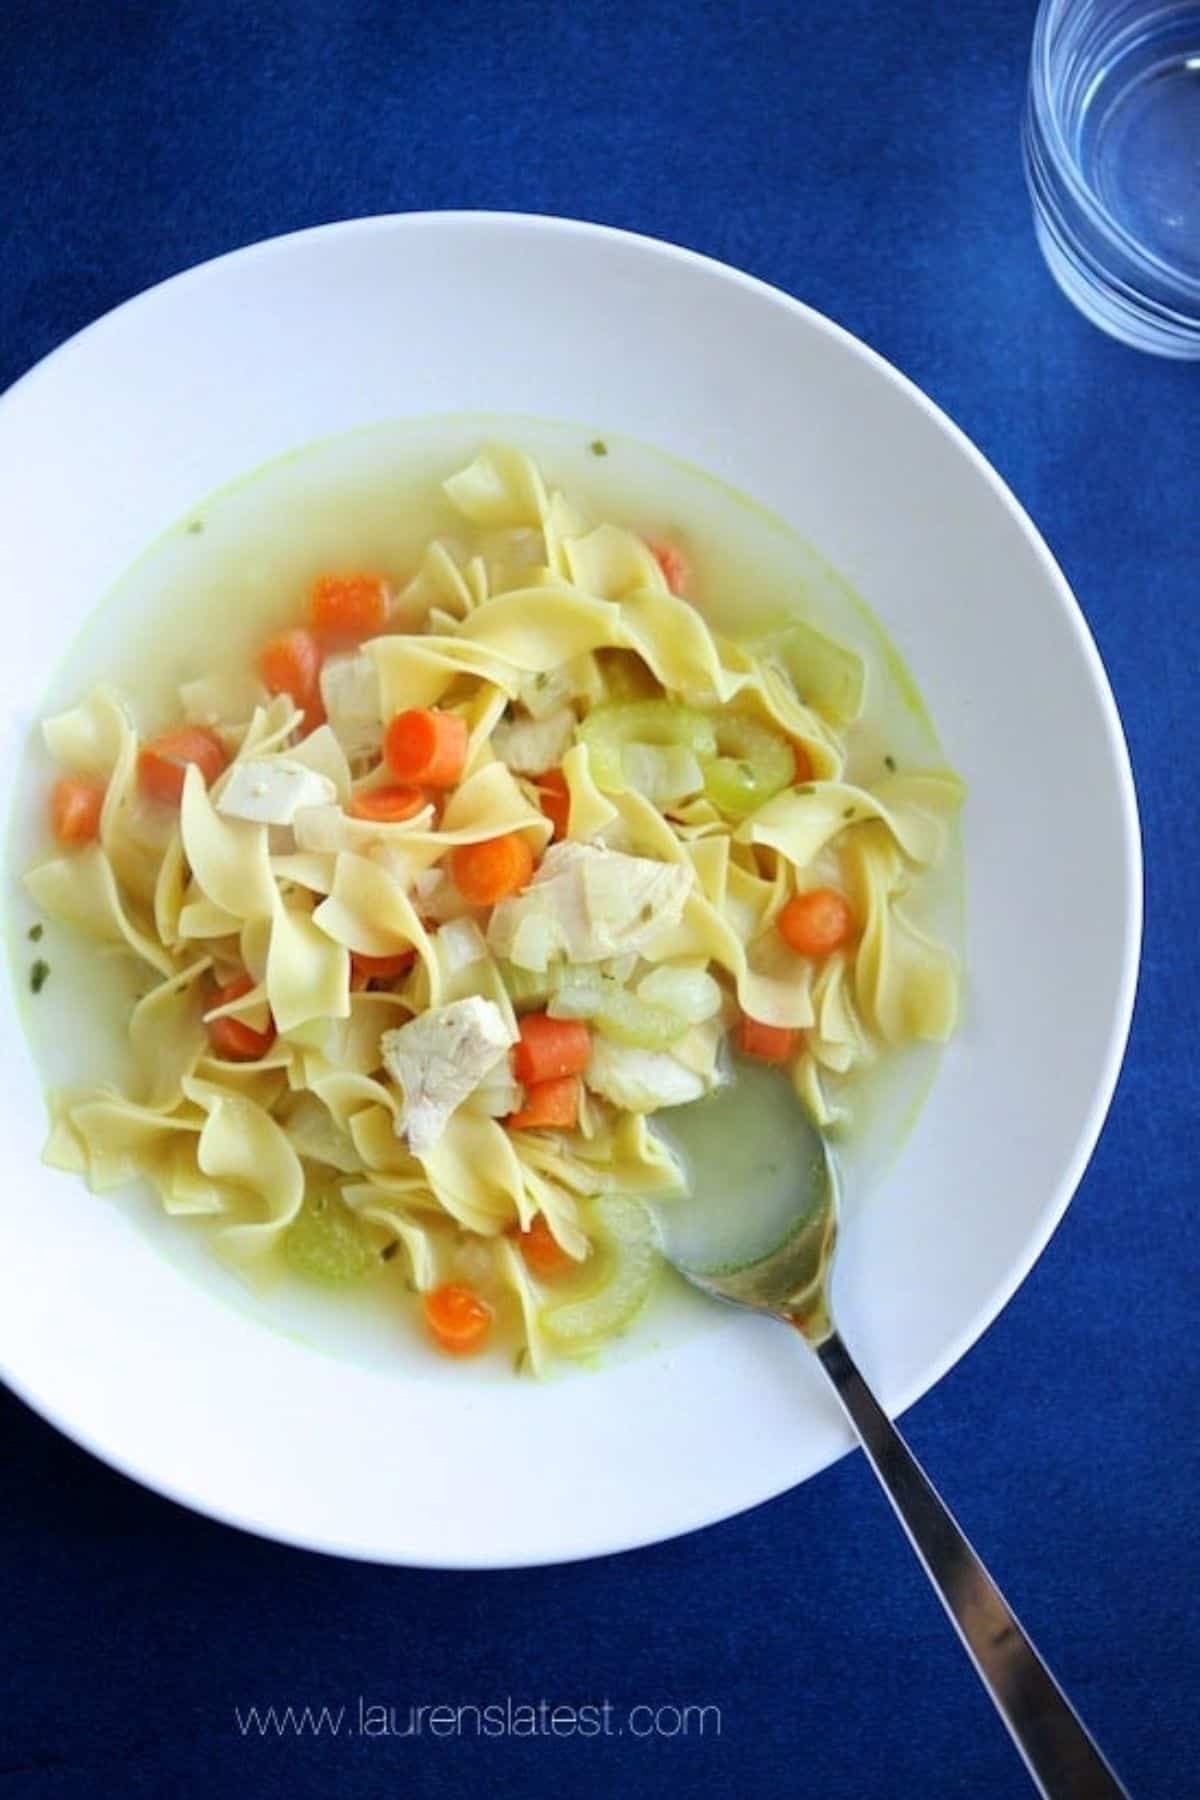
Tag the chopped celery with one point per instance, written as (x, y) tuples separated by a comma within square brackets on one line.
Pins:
[(607, 730), (639, 1024), (583, 992), (744, 762), (579, 991), (755, 763), (325, 1241), (527, 987), (626, 1265)]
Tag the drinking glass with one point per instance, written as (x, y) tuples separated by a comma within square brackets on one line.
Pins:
[(1111, 143)]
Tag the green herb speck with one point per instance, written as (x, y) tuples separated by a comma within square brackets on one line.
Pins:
[(889, 762), (38, 975), (848, 813), (195, 527), (520, 1359), (541, 679), (34, 933), (410, 1284), (806, 787), (389, 1250), (598, 447)]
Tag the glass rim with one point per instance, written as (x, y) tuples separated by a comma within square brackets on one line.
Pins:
[(1044, 117)]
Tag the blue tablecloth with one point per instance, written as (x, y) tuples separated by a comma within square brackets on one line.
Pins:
[(865, 158)]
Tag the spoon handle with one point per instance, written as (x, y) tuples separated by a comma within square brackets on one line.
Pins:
[(1060, 1756)]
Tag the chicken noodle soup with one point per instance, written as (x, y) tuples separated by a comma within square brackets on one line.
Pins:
[(469, 871)]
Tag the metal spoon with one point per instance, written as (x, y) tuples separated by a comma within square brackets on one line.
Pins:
[(773, 1251)]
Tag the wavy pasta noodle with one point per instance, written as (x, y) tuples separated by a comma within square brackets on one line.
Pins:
[(428, 940)]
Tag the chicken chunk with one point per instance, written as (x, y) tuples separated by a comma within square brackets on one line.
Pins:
[(269, 790), (587, 903), (438, 1059), (529, 746)]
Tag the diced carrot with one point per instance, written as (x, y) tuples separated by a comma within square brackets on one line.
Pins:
[(541, 1249), (554, 798), (458, 1319), (550, 1048), (490, 871), (673, 565), (816, 922), (386, 805), (75, 808), (291, 664), (803, 762), (382, 968), (232, 1039), (769, 1043), (549, 1105), (163, 761), (426, 745), (347, 608)]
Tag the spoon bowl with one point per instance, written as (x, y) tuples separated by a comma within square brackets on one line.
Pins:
[(773, 1253)]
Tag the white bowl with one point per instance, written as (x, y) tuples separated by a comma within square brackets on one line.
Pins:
[(113, 436)]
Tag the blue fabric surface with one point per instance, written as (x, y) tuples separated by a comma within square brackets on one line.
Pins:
[(866, 159)]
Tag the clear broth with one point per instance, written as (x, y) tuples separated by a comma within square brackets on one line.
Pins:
[(237, 567)]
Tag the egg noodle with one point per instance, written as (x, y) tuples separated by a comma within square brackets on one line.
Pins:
[(655, 922)]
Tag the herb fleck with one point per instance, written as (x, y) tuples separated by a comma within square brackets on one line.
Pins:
[(410, 1284), (389, 1250), (541, 679), (889, 762), (520, 1359), (647, 913), (598, 447), (195, 527), (807, 787), (38, 975), (34, 933), (848, 813)]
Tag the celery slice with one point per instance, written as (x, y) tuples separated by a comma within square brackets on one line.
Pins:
[(607, 730), (640, 1024), (755, 764), (626, 1262), (325, 1241)]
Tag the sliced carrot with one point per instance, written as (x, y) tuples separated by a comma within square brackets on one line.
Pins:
[(382, 968), (673, 565), (816, 922), (291, 664), (349, 607), (769, 1043), (554, 798), (549, 1105), (427, 746), (487, 872), (803, 762), (541, 1249), (232, 1039), (386, 805), (163, 761), (458, 1319), (550, 1048), (75, 808)]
